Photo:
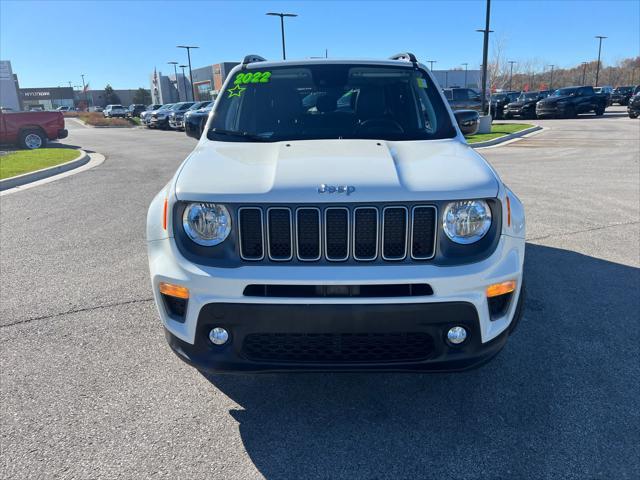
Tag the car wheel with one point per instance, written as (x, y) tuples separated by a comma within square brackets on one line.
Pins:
[(32, 139), (633, 115), (599, 111)]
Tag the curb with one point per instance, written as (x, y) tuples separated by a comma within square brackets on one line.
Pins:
[(506, 138), (44, 173)]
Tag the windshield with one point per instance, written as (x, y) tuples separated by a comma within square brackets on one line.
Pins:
[(330, 101), (528, 96), (623, 89), (564, 92)]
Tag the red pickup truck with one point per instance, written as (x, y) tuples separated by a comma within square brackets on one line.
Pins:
[(31, 129)]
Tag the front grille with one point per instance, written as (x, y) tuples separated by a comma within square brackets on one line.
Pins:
[(337, 234), (338, 347)]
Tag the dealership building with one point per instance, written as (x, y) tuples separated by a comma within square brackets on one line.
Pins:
[(207, 82)]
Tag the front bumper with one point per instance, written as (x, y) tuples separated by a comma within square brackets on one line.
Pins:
[(176, 123), (63, 133), (217, 299)]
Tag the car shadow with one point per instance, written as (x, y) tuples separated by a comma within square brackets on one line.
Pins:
[(558, 402)]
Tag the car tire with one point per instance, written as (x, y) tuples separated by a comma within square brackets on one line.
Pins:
[(33, 139), (633, 115), (599, 111)]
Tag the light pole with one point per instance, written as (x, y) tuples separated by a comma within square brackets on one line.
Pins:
[(485, 53), (184, 85), (511, 62), (551, 80), (175, 72), (188, 48), (282, 15), (584, 72), (84, 89), (600, 38), (466, 65), (431, 62)]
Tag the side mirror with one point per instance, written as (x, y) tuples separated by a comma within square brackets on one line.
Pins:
[(468, 121), (193, 128)]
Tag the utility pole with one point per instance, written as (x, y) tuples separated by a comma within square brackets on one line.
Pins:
[(431, 62), (511, 62), (184, 85), (600, 38), (466, 65), (584, 72), (282, 15), (84, 89), (175, 72), (485, 53), (446, 79), (189, 48), (551, 81)]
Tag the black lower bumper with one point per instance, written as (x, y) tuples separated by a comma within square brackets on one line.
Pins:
[(337, 337), (63, 133)]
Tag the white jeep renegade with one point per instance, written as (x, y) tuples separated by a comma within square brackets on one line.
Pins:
[(333, 217)]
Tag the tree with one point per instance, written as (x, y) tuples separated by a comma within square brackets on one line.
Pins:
[(110, 97), (142, 96)]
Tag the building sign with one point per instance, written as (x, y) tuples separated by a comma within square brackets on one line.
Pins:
[(57, 93)]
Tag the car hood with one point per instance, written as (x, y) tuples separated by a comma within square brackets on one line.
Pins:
[(551, 101), (292, 172)]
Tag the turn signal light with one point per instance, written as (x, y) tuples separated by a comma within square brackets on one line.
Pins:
[(501, 288), (174, 290)]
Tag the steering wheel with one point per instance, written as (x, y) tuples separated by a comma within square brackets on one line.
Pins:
[(387, 124)]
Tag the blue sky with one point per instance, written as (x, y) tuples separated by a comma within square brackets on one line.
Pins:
[(52, 42)]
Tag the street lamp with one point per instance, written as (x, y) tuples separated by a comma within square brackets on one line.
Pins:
[(282, 15), (551, 80), (600, 38), (431, 62), (584, 72), (188, 48), (465, 74), (511, 62), (485, 54), (184, 85), (175, 72)]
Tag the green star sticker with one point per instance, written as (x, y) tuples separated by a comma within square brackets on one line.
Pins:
[(236, 91)]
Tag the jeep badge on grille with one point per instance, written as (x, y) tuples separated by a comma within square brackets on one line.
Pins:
[(348, 189)]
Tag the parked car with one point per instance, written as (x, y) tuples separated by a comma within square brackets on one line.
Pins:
[(525, 104), (569, 102), (114, 111), (63, 109), (146, 115), (97, 108), (176, 118), (463, 99), (160, 118), (194, 121), (6, 109), (633, 106), (499, 101), (135, 109), (326, 238), (31, 130), (607, 91), (621, 95)]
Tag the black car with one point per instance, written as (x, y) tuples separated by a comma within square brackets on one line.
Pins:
[(621, 95), (463, 99), (135, 109), (194, 122), (633, 107), (569, 102), (499, 101), (525, 105)]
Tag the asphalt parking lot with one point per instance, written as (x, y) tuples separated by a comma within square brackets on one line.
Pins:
[(89, 388)]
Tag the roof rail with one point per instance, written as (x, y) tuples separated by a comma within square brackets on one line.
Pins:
[(408, 56), (252, 59)]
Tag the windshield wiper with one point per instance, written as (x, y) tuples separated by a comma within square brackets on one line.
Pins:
[(238, 134)]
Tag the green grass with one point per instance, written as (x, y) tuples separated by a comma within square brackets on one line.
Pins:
[(24, 161), (135, 120), (498, 130)]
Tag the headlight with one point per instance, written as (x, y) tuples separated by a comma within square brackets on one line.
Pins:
[(207, 224), (466, 221)]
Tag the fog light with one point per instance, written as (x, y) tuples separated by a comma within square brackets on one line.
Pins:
[(218, 336), (457, 335)]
